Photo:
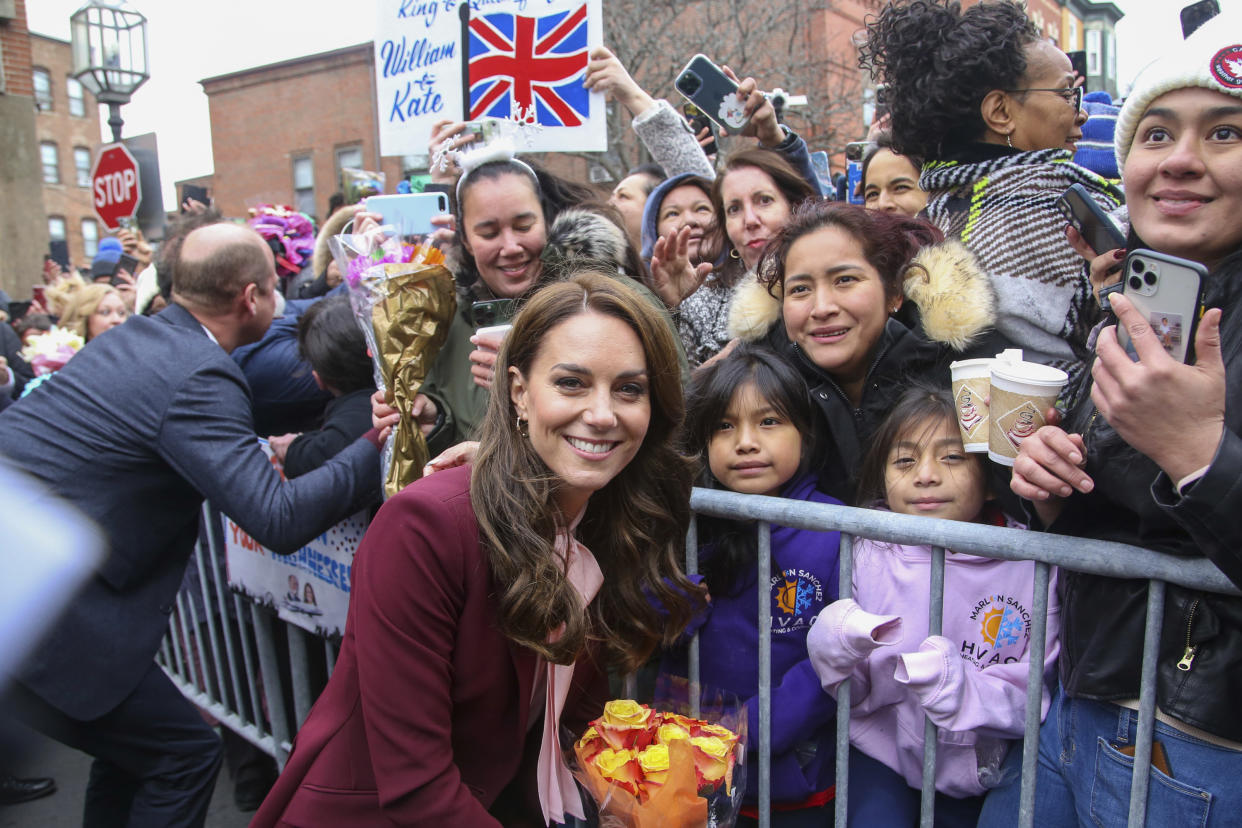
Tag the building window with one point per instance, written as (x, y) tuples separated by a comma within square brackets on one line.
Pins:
[(1093, 52), (348, 157), (304, 184), (42, 89), (82, 166), (56, 228), (1110, 59), (90, 238), (51, 162), (77, 100)]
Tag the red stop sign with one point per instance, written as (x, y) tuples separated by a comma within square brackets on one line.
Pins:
[(114, 182)]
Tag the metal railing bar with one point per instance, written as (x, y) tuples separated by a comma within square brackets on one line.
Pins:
[(211, 620), (1036, 651), (270, 670), (191, 667), (256, 706), (1147, 706), (299, 665), (935, 624), (764, 564), (842, 780), (215, 528), (692, 671), (1114, 560)]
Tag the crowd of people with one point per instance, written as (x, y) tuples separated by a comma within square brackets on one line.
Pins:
[(714, 321)]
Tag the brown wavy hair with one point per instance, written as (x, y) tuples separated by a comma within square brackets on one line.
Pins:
[(888, 241), (635, 526)]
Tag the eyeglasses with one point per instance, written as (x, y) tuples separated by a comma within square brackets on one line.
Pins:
[(1070, 94)]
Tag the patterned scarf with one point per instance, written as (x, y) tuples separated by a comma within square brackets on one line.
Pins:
[(1004, 210)]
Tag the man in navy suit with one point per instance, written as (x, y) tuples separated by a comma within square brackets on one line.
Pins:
[(136, 430)]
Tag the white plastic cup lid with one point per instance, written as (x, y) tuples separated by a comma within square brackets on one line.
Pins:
[(1030, 373)]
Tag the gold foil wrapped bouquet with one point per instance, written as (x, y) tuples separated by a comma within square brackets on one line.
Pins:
[(404, 300)]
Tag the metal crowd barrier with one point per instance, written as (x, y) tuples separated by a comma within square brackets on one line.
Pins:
[(1111, 559), (216, 639)]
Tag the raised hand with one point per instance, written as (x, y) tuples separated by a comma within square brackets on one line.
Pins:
[(672, 275)]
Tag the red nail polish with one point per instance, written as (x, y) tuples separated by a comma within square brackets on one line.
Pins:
[(1119, 254)]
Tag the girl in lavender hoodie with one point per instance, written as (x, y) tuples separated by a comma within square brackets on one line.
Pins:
[(971, 680)]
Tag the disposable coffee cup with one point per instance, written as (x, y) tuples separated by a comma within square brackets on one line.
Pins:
[(1021, 393), (971, 386)]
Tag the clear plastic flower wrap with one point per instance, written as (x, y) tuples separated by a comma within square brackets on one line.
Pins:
[(403, 299), (677, 765)]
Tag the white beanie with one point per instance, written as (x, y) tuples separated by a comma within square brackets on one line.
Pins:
[(1210, 58)]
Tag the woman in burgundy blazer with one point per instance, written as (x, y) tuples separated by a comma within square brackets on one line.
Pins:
[(428, 716)]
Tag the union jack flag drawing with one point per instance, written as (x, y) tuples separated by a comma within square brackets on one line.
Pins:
[(516, 62)]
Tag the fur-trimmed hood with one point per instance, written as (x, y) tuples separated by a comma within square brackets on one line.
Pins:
[(581, 239), (954, 296)]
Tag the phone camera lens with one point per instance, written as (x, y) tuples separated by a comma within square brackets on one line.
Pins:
[(689, 83), (1149, 278), (1137, 265), (1135, 283)]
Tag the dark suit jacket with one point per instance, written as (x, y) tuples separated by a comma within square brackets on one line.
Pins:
[(425, 720), (141, 425)]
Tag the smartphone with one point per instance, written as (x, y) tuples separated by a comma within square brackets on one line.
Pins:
[(855, 151), (492, 312), (1168, 291), (195, 192), (881, 102), (410, 213), (129, 264), (483, 130), (1196, 14), (1078, 61), (703, 84), (698, 122), (40, 294), (126, 223), (1090, 220)]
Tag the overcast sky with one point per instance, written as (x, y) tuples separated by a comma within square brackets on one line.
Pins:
[(192, 41)]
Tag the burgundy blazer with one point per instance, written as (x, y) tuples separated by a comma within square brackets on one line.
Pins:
[(425, 718)]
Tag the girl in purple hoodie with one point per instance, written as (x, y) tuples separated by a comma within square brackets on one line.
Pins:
[(970, 680), (750, 415)]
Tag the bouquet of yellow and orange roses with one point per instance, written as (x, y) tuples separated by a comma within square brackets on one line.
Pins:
[(647, 767)]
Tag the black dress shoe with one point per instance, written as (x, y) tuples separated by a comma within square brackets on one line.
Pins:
[(14, 790)]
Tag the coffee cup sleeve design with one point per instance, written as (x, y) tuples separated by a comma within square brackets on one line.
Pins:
[(1023, 428), (969, 415)]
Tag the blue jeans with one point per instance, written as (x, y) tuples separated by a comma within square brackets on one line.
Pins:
[(1083, 779), (880, 798)]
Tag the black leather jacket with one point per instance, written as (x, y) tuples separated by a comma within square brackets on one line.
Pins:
[(1134, 502), (901, 356)]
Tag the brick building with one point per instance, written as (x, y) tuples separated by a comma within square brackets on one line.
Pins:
[(281, 133), (67, 129), (23, 227)]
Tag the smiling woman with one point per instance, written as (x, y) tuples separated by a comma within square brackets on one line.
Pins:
[(1119, 471), (994, 111), (830, 282), (487, 601)]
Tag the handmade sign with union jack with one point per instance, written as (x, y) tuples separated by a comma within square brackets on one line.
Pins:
[(512, 60)]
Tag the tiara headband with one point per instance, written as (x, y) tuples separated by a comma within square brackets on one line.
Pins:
[(500, 149)]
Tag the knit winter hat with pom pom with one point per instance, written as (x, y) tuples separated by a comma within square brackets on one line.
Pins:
[(1210, 58)]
